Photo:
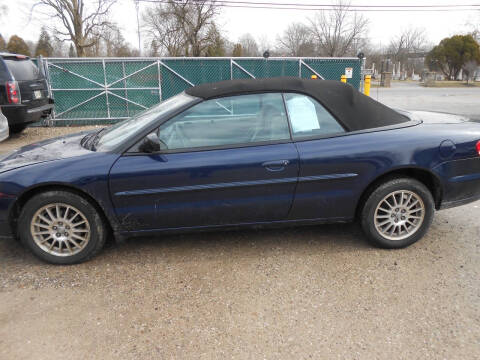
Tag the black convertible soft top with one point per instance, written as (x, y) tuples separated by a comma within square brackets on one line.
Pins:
[(353, 109)]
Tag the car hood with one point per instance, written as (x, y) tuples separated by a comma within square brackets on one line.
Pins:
[(430, 117), (47, 150)]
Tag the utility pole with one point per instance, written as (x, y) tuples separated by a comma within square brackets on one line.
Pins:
[(137, 6)]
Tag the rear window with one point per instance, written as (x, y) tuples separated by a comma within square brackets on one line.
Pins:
[(22, 69)]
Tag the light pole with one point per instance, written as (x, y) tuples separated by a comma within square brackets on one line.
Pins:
[(137, 6)]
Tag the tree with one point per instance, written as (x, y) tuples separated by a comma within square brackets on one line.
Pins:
[(154, 49), (237, 50), (182, 28), (409, 41), (469, 69), (407, 48), (18, 46), (249, 45), (44, 47), (217, 45), (112, 43), (297, 40), (80, 24), (451, 55), (71, 51), (3, 44), (339, 31)]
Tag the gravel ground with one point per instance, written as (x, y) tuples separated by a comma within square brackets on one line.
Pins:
[(303, 293), (34, 134)]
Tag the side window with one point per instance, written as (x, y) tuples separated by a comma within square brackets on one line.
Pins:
[(309, 118), (232, 120)]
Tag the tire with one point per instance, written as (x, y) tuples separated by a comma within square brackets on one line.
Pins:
[(17, 128), (414, 212), (49, 227)]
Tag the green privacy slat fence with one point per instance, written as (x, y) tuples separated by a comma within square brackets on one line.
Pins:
[(106, 90)]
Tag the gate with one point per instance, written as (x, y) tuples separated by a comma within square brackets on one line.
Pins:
[(106, 90)]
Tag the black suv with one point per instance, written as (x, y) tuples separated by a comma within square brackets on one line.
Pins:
[(23, 92)]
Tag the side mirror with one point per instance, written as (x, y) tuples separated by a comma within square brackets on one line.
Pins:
[(150, 144)]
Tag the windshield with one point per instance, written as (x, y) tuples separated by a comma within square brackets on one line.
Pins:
[(113, 136)]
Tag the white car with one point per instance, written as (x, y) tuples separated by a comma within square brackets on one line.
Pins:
[(4, 132)]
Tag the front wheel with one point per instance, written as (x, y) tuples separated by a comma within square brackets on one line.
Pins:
[(397, 213), (61, 227)]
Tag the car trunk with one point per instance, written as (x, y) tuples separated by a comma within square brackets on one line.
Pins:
[(32, 85)]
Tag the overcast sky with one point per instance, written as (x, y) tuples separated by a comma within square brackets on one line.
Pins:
[(267, 23)]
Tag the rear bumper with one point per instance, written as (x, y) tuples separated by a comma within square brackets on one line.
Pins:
[(461, 182), (22, 114)]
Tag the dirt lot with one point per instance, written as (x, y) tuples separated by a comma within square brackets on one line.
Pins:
[(306, 293)]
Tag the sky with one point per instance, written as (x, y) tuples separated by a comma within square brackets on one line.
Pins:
[(267, 23)]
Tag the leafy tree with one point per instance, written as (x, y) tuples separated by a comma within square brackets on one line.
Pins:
[(18, 46), (217, 42), (44, 46), (3, 44), (237, 50), (452, 54)]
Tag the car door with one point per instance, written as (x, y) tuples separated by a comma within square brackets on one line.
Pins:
[(225, 161), (331, 165)]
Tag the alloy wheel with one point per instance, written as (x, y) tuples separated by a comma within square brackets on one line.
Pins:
[(60, 229)]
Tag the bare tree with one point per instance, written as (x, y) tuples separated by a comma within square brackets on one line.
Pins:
[(165, 29), (297, 40), (81, 24), (249, 45), (182, 26), (338, 32), (409, 41), (113, 43)]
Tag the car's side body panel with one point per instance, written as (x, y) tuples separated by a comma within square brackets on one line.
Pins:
[(199, 188), (191, 189)]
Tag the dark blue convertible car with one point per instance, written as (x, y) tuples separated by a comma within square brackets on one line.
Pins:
[(280, 151)]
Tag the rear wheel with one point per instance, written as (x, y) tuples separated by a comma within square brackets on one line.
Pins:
[(397, 213), (61, 227), (17, 128)]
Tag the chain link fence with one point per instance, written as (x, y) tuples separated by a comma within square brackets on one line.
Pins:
[(106, 90)]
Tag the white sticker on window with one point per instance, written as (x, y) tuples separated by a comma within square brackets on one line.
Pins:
[(302, 114)]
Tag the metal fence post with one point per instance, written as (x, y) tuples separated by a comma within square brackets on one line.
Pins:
[(50, 91), (106, 89), (125, 86), (159, 80)]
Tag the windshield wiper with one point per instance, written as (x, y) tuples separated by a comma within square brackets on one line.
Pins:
[(96, 139)]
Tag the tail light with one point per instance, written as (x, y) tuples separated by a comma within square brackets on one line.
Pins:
[(478, 147), (13, 92)]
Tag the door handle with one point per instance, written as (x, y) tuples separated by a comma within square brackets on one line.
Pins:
[(278, 165)]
